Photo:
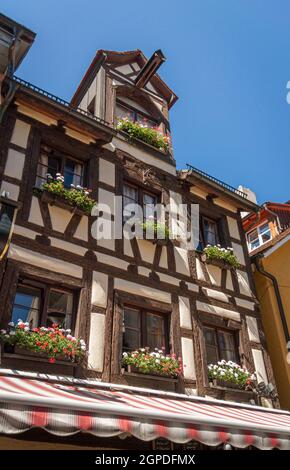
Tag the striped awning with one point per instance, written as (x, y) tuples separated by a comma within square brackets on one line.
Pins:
[(64, 407)]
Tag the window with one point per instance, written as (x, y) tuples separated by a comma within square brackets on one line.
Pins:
[(124, 111), (259, 236), (53, 162), (42, 305), (134, 195), (209, 233), (220, 344), (144, 329)]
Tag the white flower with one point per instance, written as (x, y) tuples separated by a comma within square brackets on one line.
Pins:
[(11, 323), (157, 361), (72, 185), (236, 375), (68, 331), (83, 348), (142, 349), (69, 337), (3, 332), (26, 328), (125, 354), (12, 333)]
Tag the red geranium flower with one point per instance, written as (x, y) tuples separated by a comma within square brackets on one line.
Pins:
[(52, 360)]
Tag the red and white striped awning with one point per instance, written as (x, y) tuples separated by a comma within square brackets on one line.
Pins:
[(65, 407)]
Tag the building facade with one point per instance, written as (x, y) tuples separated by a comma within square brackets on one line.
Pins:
[(268, 236), (120, 294)]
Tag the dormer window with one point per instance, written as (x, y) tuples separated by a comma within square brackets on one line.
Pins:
[(259, 236), (133, 114)]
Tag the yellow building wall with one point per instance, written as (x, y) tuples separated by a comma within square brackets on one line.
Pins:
[(278, 264)]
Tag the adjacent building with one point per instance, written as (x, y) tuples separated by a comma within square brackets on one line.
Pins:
[(120, 294), (268, 238)]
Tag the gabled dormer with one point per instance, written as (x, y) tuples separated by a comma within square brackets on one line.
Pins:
[(126, 84)]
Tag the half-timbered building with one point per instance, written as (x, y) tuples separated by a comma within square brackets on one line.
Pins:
[(120, 294)]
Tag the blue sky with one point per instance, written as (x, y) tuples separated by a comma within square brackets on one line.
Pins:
[(227, 60)]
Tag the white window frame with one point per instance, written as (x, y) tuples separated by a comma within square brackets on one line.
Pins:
[(261, 242)]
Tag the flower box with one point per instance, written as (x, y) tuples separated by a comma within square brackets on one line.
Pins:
[(135, 370), (144, 361), (221, 257), (144, 134), (225, 384), (53, 343), (54, 200)]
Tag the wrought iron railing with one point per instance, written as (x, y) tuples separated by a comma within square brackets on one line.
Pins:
[(60, 101), (217, 181)]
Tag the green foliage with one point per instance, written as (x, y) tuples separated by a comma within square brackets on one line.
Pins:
[(155, 362), (53, 341), (75, 196), (147, 134), (223, 254), (230, 372), (156, 228)]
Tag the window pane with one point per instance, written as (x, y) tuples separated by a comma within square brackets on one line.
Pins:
[(47, 164), (227, 346), (132, 327), (72, 173), (26, 306), (210, 232), (265, 233), (143, 120), (149, 202), (155, 331), (130, 196), (211, 346), (59, 310), (122, 112)]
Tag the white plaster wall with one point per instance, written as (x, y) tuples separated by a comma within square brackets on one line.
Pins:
[(147, 250), (107, 243), (222, 312), (243, 280), (233, 228), (108, 198), (60, 218), (20, 133), (260, 366), (35, 216), (14, 164), (181, 260), (169, 279), (82, 230), (215, 294), (96, 342), (112, 261), (25, 232), (245, 304), (144, 291), (188, 358), (127, 248), (238, 251), (252, 327), (100, 289), (42, 261), (107, 172), (163, 258), (229, 281), (215, 274), (185, 313), (199, 270), (10, 188), (67, 246)]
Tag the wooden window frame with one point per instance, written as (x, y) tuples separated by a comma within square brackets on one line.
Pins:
[(136, 112), (259, 235), (143, 335), (140, 196), (45, 290), (202, 231), (62, 158), (234, 333)]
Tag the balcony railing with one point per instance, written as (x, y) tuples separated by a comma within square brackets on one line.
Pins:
[(60, 101), (217, 181)]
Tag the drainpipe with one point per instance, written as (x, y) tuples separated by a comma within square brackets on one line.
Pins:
[(273, 279)]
